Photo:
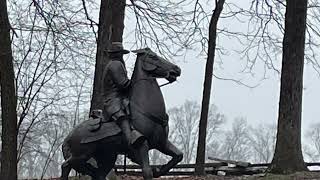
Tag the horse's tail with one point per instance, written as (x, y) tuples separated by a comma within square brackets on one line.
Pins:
[(66, 150)]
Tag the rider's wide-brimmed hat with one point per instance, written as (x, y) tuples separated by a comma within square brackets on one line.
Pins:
[(117, 47)]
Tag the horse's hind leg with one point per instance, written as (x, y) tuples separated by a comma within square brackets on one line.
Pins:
[(105, 165), (78, 163), (170, 150), (65, 169)]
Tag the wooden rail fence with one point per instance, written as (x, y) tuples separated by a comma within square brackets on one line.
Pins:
[(221, 167)]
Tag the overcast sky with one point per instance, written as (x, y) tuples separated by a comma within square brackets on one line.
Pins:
[(258, 105)]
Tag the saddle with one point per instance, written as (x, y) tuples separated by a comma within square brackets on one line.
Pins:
[(98, 128), (106, 129)]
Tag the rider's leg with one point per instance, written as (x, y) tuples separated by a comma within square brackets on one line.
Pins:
[(125, 127)]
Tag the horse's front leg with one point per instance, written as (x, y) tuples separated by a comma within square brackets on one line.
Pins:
[(175, 153), (142, 157)]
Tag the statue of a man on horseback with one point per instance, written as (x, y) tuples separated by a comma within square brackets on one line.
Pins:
[(125, 128)]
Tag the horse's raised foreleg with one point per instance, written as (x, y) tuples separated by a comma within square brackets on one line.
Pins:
[(175, 153), (142, 156)]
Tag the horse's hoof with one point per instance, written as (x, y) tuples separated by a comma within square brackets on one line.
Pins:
[(156, 172)]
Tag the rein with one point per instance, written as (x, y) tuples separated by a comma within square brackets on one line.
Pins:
[(151, 78), (165, 84), (163, 122)]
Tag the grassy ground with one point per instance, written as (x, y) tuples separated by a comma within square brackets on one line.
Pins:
[(296, 176)]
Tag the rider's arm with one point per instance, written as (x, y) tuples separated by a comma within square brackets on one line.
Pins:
[(119, 75)]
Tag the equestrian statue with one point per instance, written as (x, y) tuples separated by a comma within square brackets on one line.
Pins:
[(133, 120)]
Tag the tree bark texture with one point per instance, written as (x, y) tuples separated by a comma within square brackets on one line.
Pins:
[(288, 156), (8, 100), (111, 25), (201, 149)]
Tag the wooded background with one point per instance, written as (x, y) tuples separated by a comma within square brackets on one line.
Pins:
[(51, 61)]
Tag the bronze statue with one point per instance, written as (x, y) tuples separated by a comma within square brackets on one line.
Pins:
[(148, 116)]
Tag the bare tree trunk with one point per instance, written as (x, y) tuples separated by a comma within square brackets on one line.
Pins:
[(8, 100), (111, 25), (201, 149), (288, 155)]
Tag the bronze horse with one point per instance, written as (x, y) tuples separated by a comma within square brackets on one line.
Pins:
[(149, 117)]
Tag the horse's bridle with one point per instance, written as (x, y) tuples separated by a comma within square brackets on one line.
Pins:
[(152, 78)]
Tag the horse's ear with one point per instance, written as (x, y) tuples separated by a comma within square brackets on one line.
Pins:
[(148, 66)]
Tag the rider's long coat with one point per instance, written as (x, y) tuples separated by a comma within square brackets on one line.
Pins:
[(115, 86)]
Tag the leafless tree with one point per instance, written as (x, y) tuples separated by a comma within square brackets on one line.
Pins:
[(184, 121), (8, 100), (201, 148), (312, 146), (111, 26), (288, 156), (52, 49), (236, 144), (262, 140)]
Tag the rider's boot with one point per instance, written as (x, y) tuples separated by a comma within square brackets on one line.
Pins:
[(133, 137)]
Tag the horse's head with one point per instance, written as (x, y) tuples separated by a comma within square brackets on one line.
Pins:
[(157, 66)]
